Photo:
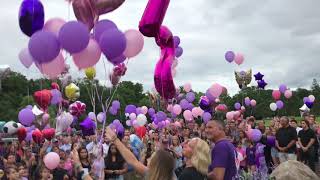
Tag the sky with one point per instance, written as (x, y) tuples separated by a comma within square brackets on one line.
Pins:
[(280, 39)]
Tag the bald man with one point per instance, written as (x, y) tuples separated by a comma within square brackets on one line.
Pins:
[(223, 166)]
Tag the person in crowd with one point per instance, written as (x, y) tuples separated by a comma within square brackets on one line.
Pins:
[(313, 125), (223, 154), (23, 171), (234, 132), (274, 150), (286, 138), (115, 165), (12, 173), (45, 174), (306, 139), (84, 158), (251, 157), (177, 149)]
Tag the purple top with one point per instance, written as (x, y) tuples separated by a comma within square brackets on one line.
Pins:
[(223, 155)]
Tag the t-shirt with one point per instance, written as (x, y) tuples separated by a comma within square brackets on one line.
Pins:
[(223, 156), (285, 135), (190, 173), (306, 135)]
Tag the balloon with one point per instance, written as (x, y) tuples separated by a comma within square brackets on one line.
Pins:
[(237, 106), (187, 114), (87, 127), (204, 103), (153, 16), (51, 160), (54, 25), (43, 47), (90, 73), (120, 69), (56, 97), (271, 141), (247, 101), (262, 84), (144, 110), (118, 60), (72, 92), (114, 79), (216, 90), (89, 56), (176, 41), (169, 107), (128, 123), (26, 117), (135, 43), (176, 109), (132, 116), (85, 12), (141, 119), (116, 104), (101, 117), (221, 108), (258, 76), (306, 99), (184, 104), (256, 135), (273, 106), (253, 103), (101, 27), (309, 104), (282, 88), (112, 43), (48, 134), (288, 94), (239, 58), (43, 98), (311, 98), (92, 116), (178, 51), (279, 104), (37, 136), (190, 97), (106, 6), (63, 121), (53, 68), (229, 56), (230, 115), (276, 94), (22, 134), (74, 36), (206, 117), (130, 109), (25, 58), (187, 87), (77, 108), (31, 16), (151, 112), (161, 116)]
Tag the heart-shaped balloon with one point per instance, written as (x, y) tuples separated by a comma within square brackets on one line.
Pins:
[(48, 133), (43, 98), (22, 134), (106, 6), (37, 136), (85, 11)]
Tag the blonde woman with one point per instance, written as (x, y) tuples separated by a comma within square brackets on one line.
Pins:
[(197, 154)]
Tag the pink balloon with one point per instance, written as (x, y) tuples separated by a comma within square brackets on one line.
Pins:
[(187, 114), (276, 94), (187, 87), (25, 57), (89, 56), (176, 109), (174, 72), (216, 90), (230, 115), (253, 102), (288, 94), (177, 124), (195, 112), (54, 25), (128, 122), (236, 114), (54, 68), (135, 43), (51, 160), (239, 58), (169, 107), (144, 110), (132, 116)]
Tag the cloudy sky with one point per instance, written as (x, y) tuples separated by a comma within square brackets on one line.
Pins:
[(281, 39)]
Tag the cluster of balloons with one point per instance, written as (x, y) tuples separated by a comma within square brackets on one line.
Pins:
[(276, 94), (230, 56), (118, 71), (309, 101), (117, 125), (259, 79), (137, 115)]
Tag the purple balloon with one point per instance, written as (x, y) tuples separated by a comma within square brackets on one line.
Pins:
[(309, 104), (101, 27), (138, 110), (184, 104), (282, 88), (173, 115), (130, 109), (118, 60), (151, 112), (179, 51), (258, 76), (112, 110), (161, 116), (306, 99), (31, 16), (180, 97), (116, 104), (112, 43), (206, 117), (88, 127), (229, 56), (29, 107), (279, 104), (247, 101), (26, 117), (56, 97), (74, 36), (204, 104), (210, 96), (190, 97), (237, 106), (29, 136), (262, 84), (256, 135), (190, 106), (271, 140), (44, 47), (176, 41)]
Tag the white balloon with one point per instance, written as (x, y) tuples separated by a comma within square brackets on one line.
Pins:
[(101, 117), (144, 110), (132, 116), (92, 116), (36, 111), (273, 106), (312, 98), (141, 119)]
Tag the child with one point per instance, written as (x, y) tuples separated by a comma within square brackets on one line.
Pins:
[(241, 150), (251, 157)]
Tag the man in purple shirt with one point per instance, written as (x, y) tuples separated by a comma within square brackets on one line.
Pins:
[(223, 154)]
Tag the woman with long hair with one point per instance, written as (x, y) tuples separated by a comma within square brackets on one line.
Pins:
[(84, 158), (115, 165), (161, 164), (197, 154)]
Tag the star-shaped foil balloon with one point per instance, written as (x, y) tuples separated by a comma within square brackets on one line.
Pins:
[(262, 84), (258, 76)]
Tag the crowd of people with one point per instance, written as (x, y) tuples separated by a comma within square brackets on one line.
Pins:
[(219, 150)]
